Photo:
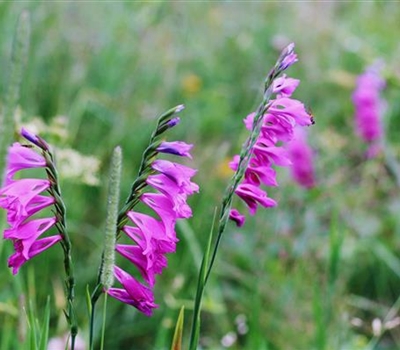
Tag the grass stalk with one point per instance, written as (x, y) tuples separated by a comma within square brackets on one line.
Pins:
[(18, 62)]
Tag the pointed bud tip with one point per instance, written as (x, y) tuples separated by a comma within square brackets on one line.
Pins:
[(38, 141), (174, 121), (179, 108), (290, 48), (118, 149)]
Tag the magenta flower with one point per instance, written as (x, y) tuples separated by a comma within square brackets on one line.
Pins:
[(152, 237), (238, 218), (177, 148), (253, 196), (26, 242), (301, 155), (21, 157), (134, 293), (284, 86), (173, 192), (279, 122), (19, 258), (369, 108), (163, 207), (22, 199), (180, 174)]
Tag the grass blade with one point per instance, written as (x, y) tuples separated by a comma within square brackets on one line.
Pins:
[(201, 283), (44, 334), (177, 340)]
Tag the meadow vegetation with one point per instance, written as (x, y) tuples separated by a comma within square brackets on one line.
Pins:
[(319, 271)]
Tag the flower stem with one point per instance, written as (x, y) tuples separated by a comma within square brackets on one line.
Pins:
[(245, 156), (166, 121), (60, 212)]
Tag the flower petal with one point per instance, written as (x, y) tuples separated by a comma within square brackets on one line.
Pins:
[(179, 173), (252, 195), (237, 217), (177, 148), (21, 157), (134, 293), (28, 233), (18, 195), (175, 193), (17, 259)]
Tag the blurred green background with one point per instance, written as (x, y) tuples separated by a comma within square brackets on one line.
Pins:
[(320, 271)]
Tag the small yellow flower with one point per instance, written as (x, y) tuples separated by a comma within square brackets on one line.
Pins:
[(191, 83), (223, 169)]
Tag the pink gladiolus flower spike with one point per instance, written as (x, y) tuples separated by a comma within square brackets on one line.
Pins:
[(152, 237), (22, 199), (279, 122)]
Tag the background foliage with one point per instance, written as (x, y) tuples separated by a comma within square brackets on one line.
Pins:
[(320, 271)]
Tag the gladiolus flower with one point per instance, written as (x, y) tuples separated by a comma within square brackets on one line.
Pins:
[(21, 157), (278, 124), (17, 259), (22, 199), (177, 148), (154, 237), (133, 293)]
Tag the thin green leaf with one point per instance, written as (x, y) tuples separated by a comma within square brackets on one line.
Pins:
[(44, 334), (32, 328), (6, 336), (387, 257), (103, 328), (177, 340), (88, 301), (201, 283)]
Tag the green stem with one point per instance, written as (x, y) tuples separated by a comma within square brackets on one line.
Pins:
[(65, 243), (97, 292), (163, 124), (244, 160), (245, 157), (195, 332), (103, 331), (207, 264)]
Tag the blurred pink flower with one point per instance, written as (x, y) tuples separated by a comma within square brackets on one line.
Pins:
[(369, 108), (301, 155)]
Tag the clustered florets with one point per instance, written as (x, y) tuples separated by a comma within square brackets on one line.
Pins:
[(151, 238), (282, 117)]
